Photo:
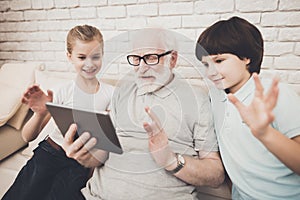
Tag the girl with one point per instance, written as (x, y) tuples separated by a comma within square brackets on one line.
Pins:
[(50, 174)]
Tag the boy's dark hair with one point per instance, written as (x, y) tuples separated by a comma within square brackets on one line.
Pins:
[(236, 36)]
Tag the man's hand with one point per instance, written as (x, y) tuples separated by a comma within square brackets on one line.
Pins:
[(158, 142), (36, 99), (258, 115), (82, 149)]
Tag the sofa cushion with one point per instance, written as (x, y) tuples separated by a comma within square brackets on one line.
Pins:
[(14, 79), (18, 119)]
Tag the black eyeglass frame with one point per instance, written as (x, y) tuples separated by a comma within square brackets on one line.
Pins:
[(143, 57)]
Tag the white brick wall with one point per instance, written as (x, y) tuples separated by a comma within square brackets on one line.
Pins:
[(35, 30)]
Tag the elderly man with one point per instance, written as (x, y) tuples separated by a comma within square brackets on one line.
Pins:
[(164, 126)]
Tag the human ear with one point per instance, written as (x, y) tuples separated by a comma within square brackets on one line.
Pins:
[(69, 57), (174, 56), (247, 61)]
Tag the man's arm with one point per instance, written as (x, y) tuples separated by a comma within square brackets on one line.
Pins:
[(208, 170)]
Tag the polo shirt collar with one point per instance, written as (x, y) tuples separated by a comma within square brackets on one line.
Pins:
[(246, 90), (162, 92)]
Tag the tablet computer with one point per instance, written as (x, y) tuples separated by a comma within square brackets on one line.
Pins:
[(98, 124)]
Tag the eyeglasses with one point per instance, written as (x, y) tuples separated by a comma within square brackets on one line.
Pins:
[(149, 59)]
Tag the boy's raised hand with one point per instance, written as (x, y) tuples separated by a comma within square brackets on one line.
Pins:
[(258, 115), (36, 99), (158, 141)]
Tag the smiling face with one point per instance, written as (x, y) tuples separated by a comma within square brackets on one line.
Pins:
[(152, 77), (227, 71), (86, 58)]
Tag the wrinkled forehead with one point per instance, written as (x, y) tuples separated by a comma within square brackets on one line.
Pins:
[(149, 40)]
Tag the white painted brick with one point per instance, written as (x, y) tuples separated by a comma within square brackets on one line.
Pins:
[(270, 74), (176, 8), (29, 46), (58, 14), (37, 4), (294, 77), (110, 35), (130, 23), (57, 36), (52, 25), (4, 6), (198, 20), (13, 16), (289, 34), (20, 46), (280, 19), (297, 49), (295, 87), (111, 12), (53, 46), (48, 4), (269, 34), (214, 6), (253, 18), (86, 3), (83, 13), (165, 21), (287, 62), (60, 56), (142, 10), (121, 2), (37, 36), (257, 5), (289, 5), (26, 36), (189, 33), (66, 3), (2, 17), (35, 15), (267, 62), (43, 56), (278, 48), (23, 56), (153, 1), (3, 37), (20, 4), (102, 24), (27, 26), (180, 0), (8, 27), (4, 55)]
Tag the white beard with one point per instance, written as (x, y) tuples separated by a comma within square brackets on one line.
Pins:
[(161, 79)]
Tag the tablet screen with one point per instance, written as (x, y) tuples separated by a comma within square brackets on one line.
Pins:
[(98, 124)]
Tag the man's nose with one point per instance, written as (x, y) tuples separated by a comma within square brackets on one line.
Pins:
[(143, 66)]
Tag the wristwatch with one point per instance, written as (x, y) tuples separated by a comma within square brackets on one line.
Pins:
[(180, 163)]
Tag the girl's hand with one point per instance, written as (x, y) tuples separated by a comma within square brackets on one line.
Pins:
[(258, 115), (36, 99)]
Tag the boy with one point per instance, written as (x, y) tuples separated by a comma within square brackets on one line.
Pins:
[(258, 133)]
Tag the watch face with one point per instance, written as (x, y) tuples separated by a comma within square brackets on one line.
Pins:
[(180, 159)]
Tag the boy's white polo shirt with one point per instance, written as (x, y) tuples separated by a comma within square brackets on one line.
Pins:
[(254, 171)]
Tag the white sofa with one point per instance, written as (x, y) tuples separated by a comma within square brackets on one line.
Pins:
[(10, 166)]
